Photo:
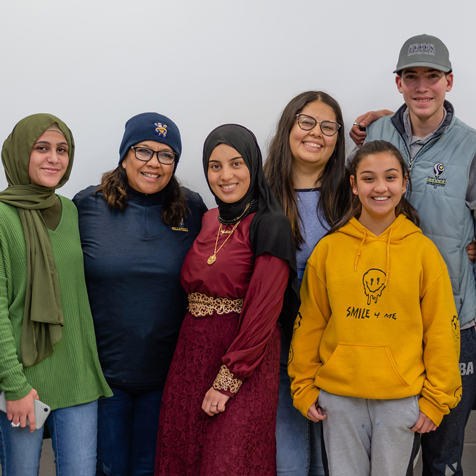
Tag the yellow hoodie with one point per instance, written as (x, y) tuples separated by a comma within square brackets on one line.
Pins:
[(377, 321)]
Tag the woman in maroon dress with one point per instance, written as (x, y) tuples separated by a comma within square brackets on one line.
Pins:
[(219, 406)]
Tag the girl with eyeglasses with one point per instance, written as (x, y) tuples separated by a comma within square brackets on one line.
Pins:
[(306, 172), (136, 229)]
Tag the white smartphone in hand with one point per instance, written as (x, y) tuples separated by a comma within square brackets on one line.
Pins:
[(42, 410)]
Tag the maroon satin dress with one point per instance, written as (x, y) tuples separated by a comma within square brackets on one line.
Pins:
[(241, 440)]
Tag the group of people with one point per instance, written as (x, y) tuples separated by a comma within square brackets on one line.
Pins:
[(172, 340)]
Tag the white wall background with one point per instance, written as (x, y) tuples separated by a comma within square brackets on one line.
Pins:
[(95, 63)]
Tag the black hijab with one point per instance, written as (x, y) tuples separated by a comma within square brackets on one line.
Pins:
[(270, 229)]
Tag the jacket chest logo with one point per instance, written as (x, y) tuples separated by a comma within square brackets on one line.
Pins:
[(438, 179), (181, 226)]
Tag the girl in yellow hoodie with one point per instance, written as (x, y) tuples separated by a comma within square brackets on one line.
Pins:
[(376, 343)]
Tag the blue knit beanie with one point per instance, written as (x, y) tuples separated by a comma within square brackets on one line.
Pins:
[(150, 126)]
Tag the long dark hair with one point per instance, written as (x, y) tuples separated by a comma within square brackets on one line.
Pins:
[(355, 206), (335, 195), (114, 190)]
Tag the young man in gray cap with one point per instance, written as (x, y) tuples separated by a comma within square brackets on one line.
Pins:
[(440, 151)]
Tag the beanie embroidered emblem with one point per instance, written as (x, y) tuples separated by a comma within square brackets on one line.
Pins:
[(161, 129)]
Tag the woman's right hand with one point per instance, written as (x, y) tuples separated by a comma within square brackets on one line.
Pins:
[(214, 402), (315, 413), (20, 410)]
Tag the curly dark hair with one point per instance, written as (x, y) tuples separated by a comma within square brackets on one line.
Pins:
[(114, 190)]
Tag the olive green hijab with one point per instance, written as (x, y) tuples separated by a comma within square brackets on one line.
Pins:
[(43, 315)]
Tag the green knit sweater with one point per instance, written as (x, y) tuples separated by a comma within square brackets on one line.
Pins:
[(72, 374)]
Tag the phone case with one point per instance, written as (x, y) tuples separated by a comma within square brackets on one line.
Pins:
[(42, 410)]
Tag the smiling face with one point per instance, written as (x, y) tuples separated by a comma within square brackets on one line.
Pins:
[(424, 91), (228, 175), (49, 159), (148, 177), (380, 184), (312, 149)]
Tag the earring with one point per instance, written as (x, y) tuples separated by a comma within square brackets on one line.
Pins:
[(355, 191)]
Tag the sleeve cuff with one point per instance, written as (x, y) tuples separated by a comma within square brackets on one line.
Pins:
[(15, 383), (305, 402), (18, 394), (226, 382), (431, 411)]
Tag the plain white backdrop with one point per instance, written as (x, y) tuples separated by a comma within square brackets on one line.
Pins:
[(96, 63)]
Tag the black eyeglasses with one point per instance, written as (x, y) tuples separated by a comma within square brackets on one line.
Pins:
[(307, 123), (165, 157)]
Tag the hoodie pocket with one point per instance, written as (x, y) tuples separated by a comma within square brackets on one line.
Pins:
[(363, 370)]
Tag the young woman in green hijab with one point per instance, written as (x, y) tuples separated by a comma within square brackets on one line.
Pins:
[(47, 344)]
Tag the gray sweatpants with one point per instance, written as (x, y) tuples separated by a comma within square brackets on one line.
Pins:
[(369, 437)]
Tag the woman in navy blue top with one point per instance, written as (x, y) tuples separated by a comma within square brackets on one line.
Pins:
[(136, 229)]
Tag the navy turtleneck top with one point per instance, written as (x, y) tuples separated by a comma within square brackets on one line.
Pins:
[(132, 262)]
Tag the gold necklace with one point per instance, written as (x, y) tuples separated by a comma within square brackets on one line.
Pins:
[(245, 211), (213, 257)]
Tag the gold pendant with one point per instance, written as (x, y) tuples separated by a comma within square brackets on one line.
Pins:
[(212, 259)]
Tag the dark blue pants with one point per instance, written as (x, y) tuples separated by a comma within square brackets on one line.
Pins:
[(442, 449), (127, 433)]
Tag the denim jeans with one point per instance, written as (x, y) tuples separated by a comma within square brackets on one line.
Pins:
[(127, 433), (298, 440), (442, 450), (73, 432)]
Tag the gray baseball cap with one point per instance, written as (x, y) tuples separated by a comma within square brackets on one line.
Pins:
[(424, 50)]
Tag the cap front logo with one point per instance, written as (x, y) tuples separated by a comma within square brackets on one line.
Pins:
[(161, 129), (421, 49)]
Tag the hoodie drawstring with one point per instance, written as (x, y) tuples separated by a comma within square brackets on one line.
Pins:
[(360, 250), (387, 271)]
